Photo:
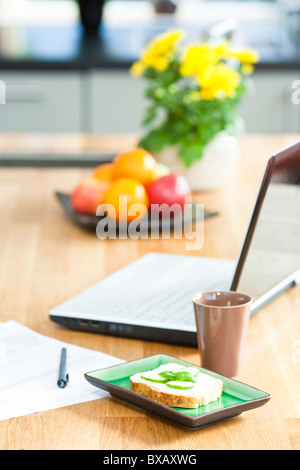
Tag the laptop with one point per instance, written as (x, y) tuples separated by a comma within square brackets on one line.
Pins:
[(151, 298)]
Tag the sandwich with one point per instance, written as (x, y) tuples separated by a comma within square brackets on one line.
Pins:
[(175, 385)]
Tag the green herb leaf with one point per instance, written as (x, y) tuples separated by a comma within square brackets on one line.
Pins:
[(187, 374), (167, 374), (184, 376)]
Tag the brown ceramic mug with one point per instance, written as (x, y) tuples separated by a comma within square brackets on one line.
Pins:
[(222, 319)]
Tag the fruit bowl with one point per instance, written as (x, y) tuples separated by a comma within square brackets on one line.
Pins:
[(134, 187)]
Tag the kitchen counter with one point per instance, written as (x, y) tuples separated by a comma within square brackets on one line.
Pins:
[(45, 259), (66, 47)]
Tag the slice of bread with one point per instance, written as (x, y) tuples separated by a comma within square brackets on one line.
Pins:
[(204, 390)]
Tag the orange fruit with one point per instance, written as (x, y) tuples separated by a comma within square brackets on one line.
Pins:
[(135, 193), (136, 163), (103, 172)]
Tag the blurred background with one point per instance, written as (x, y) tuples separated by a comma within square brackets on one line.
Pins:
[(65, 63)]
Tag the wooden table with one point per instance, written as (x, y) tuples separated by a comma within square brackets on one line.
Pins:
[(45, 259)]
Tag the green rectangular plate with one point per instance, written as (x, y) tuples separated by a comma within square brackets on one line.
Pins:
[(236, 398)]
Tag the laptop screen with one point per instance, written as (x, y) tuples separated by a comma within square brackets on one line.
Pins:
[(271, 251)]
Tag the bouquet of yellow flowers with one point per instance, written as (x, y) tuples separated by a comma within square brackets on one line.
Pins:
[(194, 92)]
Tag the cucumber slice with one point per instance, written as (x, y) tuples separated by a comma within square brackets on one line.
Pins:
[(154, 377), (180, 384)]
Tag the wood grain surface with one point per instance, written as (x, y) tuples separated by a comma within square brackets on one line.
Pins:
[(45, 259)]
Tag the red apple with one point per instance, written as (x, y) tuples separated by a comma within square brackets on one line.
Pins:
[(88, 195), (170, 189)]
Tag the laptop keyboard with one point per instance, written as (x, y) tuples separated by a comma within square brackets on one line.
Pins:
[(171, 304), (156, 290)]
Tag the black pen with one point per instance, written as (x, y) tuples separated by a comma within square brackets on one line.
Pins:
[(63, 377)]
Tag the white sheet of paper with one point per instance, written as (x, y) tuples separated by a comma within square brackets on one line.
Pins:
[(29, 366)]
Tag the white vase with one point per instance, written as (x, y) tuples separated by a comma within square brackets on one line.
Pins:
[(217, 164)]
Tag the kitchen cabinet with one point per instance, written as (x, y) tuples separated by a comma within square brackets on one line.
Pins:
[(41, 102), (268, 107), (110, 100), (117, 101)]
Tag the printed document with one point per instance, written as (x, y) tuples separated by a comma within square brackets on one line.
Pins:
[(29, 367)]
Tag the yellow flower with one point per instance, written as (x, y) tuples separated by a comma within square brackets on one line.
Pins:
[(158, 62), (247, 69), (245, 55), (137, 68), (208, 64), (164, 43), (199, 57), (220, 81), (159, 52)]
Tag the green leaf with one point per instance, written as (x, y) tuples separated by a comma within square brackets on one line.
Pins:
[(184, 376), (150, 115), (155, 140), (167, 374), (191, 152)]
